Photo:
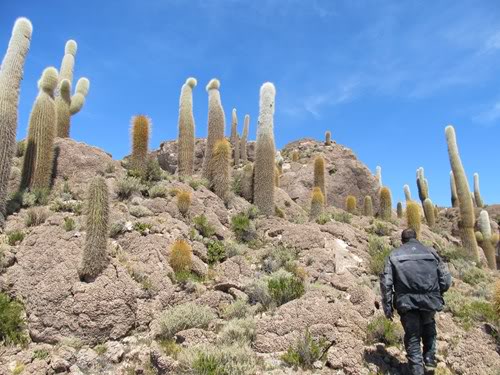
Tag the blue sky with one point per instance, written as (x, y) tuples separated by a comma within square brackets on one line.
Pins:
[(385, 77)]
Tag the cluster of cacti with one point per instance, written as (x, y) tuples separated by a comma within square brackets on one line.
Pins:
[(429, 212), (422, 185), (247, 182), (317, 203), (477, 192), (319, 175), (378, 174), (368, 206), (11, 74), (186, 129), (183, 202), (328, 138), (94, 259), (220, 168), (216, 125), (413, 216), (140, 130), (385, 212), (407, 192), (264, 167), (486, 239), (244, 139), (453, 188), (37, 163), (235, 139), (68, 105), (351, 204), (467, 219), (399, 210)]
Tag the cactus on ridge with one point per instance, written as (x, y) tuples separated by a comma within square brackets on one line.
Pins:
[(244, 140), (140, 132), (351, 204), (328, 138), (453, 188), (385, 212), (220, 165), (317, 203), (235, 139), (429, 212), (186, 130), (477, 192), (319, 175), (399, 210), (378, 174), (422, 185), (413, 216), (407, 192), (486, 239), (368, 206)]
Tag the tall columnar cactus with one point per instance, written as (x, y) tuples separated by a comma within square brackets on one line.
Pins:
[(368, 206), (351, 204), (477, 192), (429, 212), (407, 191), (328, 138), (68, 105), (11, 74), (413, 216), (244, 139), (38, 157), (422, 185), (186, 128), (385, 204), (378, 174), (317, 203), (467, 221), (319, 175), (216, 124), (453, 188), (220, 168), (486, 239), (94, 259), (265, 151), (399, 210), (235, 138), (140, 130), (247, 182)]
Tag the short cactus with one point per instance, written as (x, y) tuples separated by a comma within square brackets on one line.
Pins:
[(413, 216), (216, 125), (181, 256), (466, 224), (11, 74), (265, 151), (351, 204), (453, 188), (140, 130), (328, 138), (319, 175), (68, 105), (186, 129), (244, 140), (317, 204), (429, 212), (368, 206), (247, 182), (385, 212), (94, 259), (378, 174), (407, 192), (220, 169), (235, 138), (37, 163), (486, 240), (183, 202), (477, 192), (422, 185), (399, 210)]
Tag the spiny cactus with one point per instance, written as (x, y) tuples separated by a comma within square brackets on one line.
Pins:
[(407, 191), (422, 185), (244, 139), (477, 192), (37, 163), (186, 129), (378, 174), (319, 175), (67, 105), (429, 212), (220, 168), (94, 259), (486, 240), (216, 124), (453, 188), (247, 182), (413, 216), (385, 212), (368, 206), (181, 256), (140, 130), (235, 138), (183, 201), (317, 203), (295, 156), (11, 74), (276, 176), (351, 204), (328, 138), (399, 210), (467, 221), (265, 151)]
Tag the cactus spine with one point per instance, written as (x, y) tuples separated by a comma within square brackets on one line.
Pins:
[(385, 204), (37, 163), (317, 203), (67, 105), (407, 191), (413, 216), (265, 151), (220, 168), (244, 139), (467, 221), (399, 210), (94, 259), (140, 130), (422, 185), (453, 188), (216, 124), (486, 240), (429, 212), (319, 175), (186, 128), (235, 138), (328, 138), (351, 204), (477, 192), (378, 173), (368, 206), (11, 74), (247, 182)]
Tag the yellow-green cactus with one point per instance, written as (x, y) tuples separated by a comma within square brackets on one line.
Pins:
[(183, 201), (385, 212), (317, 203), (328, 138), (453, 188), (422, 185), (413, 216), (235, 138), (140, 131), (429, 212), (319, 175), (186, 129), (244, 140), (477, 192), (399, 210), (486, 239), (39, 154), (368, 206), (351, 204), (220, 169)]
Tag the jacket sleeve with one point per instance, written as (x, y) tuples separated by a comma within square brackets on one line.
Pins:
[(387, 287), (444, 276)]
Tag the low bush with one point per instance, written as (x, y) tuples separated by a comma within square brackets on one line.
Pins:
[(60, 205), (142, 228), (280, 257), (243, 227), (216, 252), (202, 225), (185, 316), (304, 352), (470, 310), (12, 325), (158, 191), (285, 287), (323, 218), (342, 217), (241, 330), (69, 224), (379, 250), (128, 186), (35, 216), (196, 183), (116, 229), (15, 237), (139, 211), (238, 309), (381, 329), (379, 228), (258, 293)]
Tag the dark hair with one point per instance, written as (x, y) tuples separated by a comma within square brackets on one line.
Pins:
[(408, 234)]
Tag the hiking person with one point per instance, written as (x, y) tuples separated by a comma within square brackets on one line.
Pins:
[(413, 281)]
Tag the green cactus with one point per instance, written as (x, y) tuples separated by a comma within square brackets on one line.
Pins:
[(422, 185), (413, 216), (244, 140), (429, 212), (385, 212), (486, 240), (66, 104), (140, 130), (235, 139), (11, 74), (319, 175), (94, 259), (37, 163), (186, 129), (220, 169), (317, 203), (407, 192), (399, 210), (216, 124), (477, 192), (328, 138), (264, 166), (453, 188), (467, 221), (247, 182), (351, 204), (368, 206), (378, 174)]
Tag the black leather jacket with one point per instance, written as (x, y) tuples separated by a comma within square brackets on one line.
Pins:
[(414, 278)]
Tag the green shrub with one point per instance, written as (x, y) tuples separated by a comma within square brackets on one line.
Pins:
[(381, 329), (185, 316), (470, 310), (69, 224), (116, 229), (40, 354), (379, 228), (12, 324), (110, 168), (305, 352), (343, 217), (451, 253), (285, 287), (158, 191), (280, 257), (100, 349), (216, 252), (20, 148), (243, 227), (128, 186), (170, 347), (252, 212), (60, 205), (258, 293), (323, 218), (153, 171), (35, 216), (202, 225), (195, 183), (238, 309), (139, 211), (379, 251), (15, 237), (475, 276), (142, 228), (238, 331)]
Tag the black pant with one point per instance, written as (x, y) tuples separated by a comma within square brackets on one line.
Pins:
[(419, 325)]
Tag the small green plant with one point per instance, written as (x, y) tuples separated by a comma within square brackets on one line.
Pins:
[(158, 191), (238, 309), (110, 168), (142, 228), (196, 183), (216, 252), (280, 257), (19, 369), (116, 229), (380, 228), (170, 347), (324, 218), (128, 186), (242, 330), (381, 329), (379, 251), (185, 316), (470, 310), (305, 352), (15, 237), (100, 349), (285, 287), (12, 324), (35, 216), (243, 227), (202, 225), (139, 211), (40, 354), (60, 205), (342, 217), (69, 224)]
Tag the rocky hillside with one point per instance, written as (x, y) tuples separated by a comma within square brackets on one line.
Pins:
[(263, 295)]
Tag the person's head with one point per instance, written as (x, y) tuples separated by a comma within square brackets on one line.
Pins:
[(408, 234)]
